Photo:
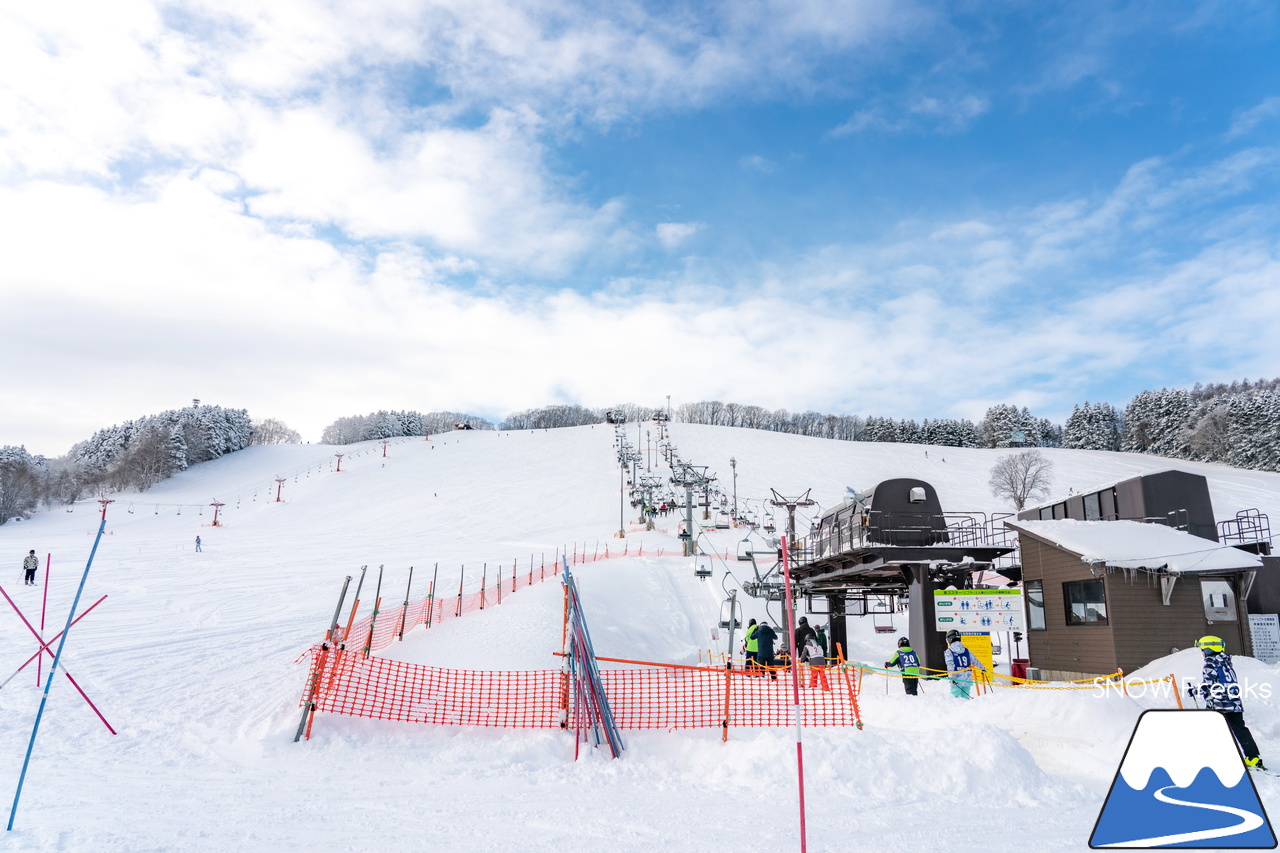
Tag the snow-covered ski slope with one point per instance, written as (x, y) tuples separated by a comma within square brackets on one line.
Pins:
[(191, 658)]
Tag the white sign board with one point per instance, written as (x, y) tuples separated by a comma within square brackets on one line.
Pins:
[(1264, 629), (978, 610)]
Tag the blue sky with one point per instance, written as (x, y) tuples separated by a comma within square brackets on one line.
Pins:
[(879, 208)]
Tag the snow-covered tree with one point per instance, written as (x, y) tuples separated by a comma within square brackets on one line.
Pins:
[(1021, 477), (272, 431)]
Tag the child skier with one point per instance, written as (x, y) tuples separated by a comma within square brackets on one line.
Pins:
[(959, 665), (1221, 692), (908, 661)]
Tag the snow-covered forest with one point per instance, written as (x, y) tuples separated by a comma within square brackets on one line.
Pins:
[(1236, 424)]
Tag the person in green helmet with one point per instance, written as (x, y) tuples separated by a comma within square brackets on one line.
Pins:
[(906, 659), (1221, 692)]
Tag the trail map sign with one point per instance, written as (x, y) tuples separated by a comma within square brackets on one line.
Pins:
[(978, 610)]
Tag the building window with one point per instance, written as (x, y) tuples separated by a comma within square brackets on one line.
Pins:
[(1219, 600), (1086, 602), (1046, 513), (1093, 507), (916, 495), (1035, 605)]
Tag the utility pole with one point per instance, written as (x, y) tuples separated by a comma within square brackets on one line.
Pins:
[(622, 493), (733, 463)]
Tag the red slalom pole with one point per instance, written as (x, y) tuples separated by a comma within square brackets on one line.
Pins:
[(44, 606), (795, 685)]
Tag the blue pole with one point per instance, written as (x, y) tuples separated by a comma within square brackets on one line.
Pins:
[(54, 668)]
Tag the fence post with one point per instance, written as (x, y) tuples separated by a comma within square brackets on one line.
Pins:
[(1177, 694), (728, 680)]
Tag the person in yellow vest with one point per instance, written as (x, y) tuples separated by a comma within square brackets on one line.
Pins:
[(751, 647)]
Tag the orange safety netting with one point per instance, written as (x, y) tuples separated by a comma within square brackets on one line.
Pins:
[(643, 696), (392, 621)]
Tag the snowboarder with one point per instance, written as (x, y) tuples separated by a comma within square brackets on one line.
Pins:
[(908, 661), (29, 565), (960, 663), (1221, 692), (197, 544)]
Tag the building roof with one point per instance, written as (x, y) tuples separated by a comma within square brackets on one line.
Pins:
[(1135, 545)]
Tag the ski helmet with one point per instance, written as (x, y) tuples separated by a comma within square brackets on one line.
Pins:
[(1210, 644), (903, 642), (953, 636)]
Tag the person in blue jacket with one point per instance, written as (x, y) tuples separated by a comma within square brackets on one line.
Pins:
[(1221, 692), (960, 663), (766, 637)]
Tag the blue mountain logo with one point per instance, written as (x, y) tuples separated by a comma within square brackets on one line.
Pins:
[(1182, 783)]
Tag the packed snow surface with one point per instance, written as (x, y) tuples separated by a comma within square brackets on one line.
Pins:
[(191, 659)]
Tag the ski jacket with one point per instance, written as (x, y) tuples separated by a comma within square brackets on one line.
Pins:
[(804, 633), (765, 636), (813, 654), (1218, 684), (960, 659), (753, 641), (31, 562), (906, 658)]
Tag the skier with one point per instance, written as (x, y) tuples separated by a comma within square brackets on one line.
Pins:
[(29, 565), (197, 544), (960, 662), (804, 632), (812, 654), (1221, 692), (751, 647), (908, 661), (765, 637)]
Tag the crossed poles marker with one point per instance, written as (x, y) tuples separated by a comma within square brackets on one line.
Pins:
[(44, 649)]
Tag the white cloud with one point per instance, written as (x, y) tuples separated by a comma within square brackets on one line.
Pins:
[(673, 234), (1245, 121), (921, 113), (757, 163)]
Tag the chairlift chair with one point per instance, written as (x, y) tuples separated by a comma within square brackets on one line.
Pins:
[(744, 550), (883, 622), (702, 572), (725, 614)]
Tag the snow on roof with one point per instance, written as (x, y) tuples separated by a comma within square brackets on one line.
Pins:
[(1135, 545)]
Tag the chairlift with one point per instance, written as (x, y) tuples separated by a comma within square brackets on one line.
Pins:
[(722, 521), (725, 615), (744, 550), (702, 572), (768, 523), (882, 619)]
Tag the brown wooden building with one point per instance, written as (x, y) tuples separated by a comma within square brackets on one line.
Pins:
[(1114, 595)]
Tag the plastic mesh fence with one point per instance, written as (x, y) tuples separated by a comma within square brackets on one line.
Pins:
[(654, 696)]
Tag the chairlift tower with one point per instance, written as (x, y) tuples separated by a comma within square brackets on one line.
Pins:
[(791, 504)]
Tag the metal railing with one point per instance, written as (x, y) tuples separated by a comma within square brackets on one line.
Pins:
[(1249, 525), (898, 529)]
